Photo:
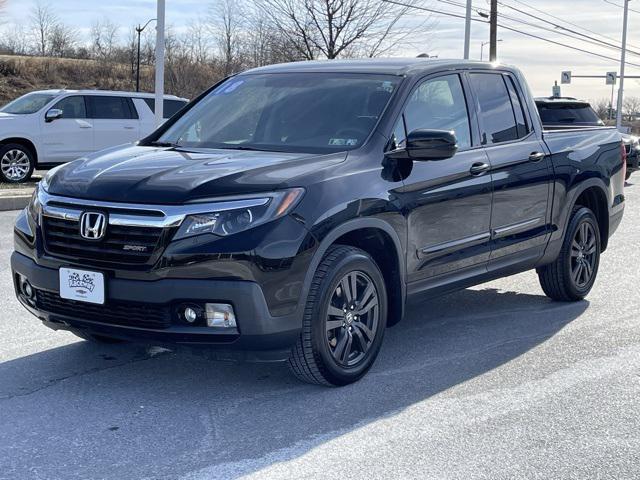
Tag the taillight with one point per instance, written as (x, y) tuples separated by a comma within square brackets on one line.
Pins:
[(624, 162)]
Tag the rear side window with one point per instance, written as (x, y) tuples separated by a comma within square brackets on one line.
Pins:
[(568, 114), (72, 107), (111, 108), (438, 104), (170, 107), (496, 112), (518, 109)]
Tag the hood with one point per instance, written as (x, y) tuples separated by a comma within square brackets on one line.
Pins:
[(6, 116), (154, 175)]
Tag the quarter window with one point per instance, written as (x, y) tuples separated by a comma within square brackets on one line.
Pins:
[(72, 107), (518, 109), (496, 111), (440, 104)]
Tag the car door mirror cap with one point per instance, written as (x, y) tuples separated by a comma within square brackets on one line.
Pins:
[(53, 114), (428, 144)]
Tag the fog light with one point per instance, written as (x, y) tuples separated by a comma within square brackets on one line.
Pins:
[(190, 315), (26, 287), (220, 315)]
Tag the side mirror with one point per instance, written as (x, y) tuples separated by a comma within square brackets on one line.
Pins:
[(424, 144), (53, 114)]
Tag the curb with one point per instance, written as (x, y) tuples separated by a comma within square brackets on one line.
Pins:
[(14, 202)]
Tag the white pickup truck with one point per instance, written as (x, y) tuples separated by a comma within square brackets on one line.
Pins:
[(51, 127)]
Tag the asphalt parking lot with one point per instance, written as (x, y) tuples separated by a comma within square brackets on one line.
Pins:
[(491, 382)]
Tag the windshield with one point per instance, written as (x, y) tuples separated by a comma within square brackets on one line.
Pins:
[(570, 114), (29, 103), (304, 112)]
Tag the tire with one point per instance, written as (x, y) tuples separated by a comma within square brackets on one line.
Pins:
[(17, 163), (564, 279), (336, 346), (99, 338)]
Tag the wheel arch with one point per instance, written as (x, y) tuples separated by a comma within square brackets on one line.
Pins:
[(24, 142), (380, 240), (593, 195)]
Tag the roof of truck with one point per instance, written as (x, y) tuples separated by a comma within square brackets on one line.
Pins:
[(388, 66), (114, 93)]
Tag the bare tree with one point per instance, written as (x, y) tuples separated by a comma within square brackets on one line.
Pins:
[(43, 22), (62, 41), (602, 108), (334, 28), (104, 39), (631, 107), (226, 24)]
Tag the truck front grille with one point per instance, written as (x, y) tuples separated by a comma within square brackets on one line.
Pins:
[(130, 314), (121, 244)]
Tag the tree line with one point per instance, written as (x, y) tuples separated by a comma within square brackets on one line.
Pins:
[(233, 35)]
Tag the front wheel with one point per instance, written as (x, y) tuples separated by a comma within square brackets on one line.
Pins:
[(16, 163), (344, 319), (572, 275)]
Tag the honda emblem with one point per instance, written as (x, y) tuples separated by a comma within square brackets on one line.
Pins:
[(93, 225)]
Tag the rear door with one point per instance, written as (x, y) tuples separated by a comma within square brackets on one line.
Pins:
[(447, 202), (69, 137), (115, 120), (520, 168)]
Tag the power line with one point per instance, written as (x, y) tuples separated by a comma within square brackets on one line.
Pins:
[(587, 37), (513, 29), (574, 35), (620, 6), (531, 7)]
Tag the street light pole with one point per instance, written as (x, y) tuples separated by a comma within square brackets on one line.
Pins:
[(467, 30), (160, 63), (482, 48), (140, 29), (622, 62)]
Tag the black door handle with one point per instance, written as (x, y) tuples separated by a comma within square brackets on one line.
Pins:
[(537, 156), (479, 168)]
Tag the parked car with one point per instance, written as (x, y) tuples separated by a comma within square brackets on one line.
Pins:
[(50, 127), (567, 112), (290, 211), (563, 112), (632, 148)]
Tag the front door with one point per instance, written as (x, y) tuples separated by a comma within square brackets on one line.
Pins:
[(447, 203), (69, 137)]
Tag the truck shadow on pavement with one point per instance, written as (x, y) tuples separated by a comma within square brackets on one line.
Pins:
[(89, 411)]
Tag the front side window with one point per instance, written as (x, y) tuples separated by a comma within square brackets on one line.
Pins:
[(439, 104), (495, 108), (72, 107), (289, 112), (110, 108), (29, 103)]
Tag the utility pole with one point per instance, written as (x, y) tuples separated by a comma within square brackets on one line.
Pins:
[(493, 31), (467, 30), (622, 62), (160, 63)]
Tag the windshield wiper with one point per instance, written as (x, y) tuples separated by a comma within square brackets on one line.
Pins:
[(243, 147), (157, 143)]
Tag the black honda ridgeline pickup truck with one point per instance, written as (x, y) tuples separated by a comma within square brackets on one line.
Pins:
[(290, 211)]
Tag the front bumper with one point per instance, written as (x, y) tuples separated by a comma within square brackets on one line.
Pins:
[(259, 336)]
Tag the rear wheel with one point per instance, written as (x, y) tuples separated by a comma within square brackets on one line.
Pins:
[(572, 275), (16, 163), (344, 319)]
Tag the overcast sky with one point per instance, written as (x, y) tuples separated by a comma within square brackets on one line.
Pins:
[(542, 62)]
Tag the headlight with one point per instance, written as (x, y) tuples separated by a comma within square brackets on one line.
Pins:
[(237, 216), (35, 207)]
